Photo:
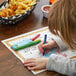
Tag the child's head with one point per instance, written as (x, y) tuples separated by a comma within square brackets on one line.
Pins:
[(62, 18)]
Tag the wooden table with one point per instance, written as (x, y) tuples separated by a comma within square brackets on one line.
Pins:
[(9, 64)]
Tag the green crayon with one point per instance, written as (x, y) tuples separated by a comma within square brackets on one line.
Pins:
[(16, 48)]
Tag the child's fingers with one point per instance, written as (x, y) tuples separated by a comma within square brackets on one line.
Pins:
[(26, 62), (36, 67), (40, 47), (29, 61), (29, 64), (46, 45), (33, 68)]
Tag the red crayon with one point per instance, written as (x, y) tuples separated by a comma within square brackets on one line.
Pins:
[(35, 37)]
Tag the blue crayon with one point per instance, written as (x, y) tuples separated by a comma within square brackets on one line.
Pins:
[(45, 37)]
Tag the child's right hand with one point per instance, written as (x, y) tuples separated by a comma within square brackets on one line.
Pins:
[(48, 46)]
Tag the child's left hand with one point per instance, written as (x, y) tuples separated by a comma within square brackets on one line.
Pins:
[(36, 63)]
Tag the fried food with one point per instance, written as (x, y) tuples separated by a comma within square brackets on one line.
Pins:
[(16, 7)]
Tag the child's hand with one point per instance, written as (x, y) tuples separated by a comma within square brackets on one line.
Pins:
[(48, 46), (36, 63)]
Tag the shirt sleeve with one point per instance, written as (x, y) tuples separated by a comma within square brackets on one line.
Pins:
[(62, 45), (61, 65)]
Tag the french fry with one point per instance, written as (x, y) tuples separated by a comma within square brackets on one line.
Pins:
[(27, 8), (19, 11), (5, 12), (2, 14), (22, 5), (14, 7)]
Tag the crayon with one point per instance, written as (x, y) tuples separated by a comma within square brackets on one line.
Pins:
[(16, 47), (45, 37), (35, 37)]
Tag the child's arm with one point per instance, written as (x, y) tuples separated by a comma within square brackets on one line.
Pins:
[(56, 63), (61, 64)]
